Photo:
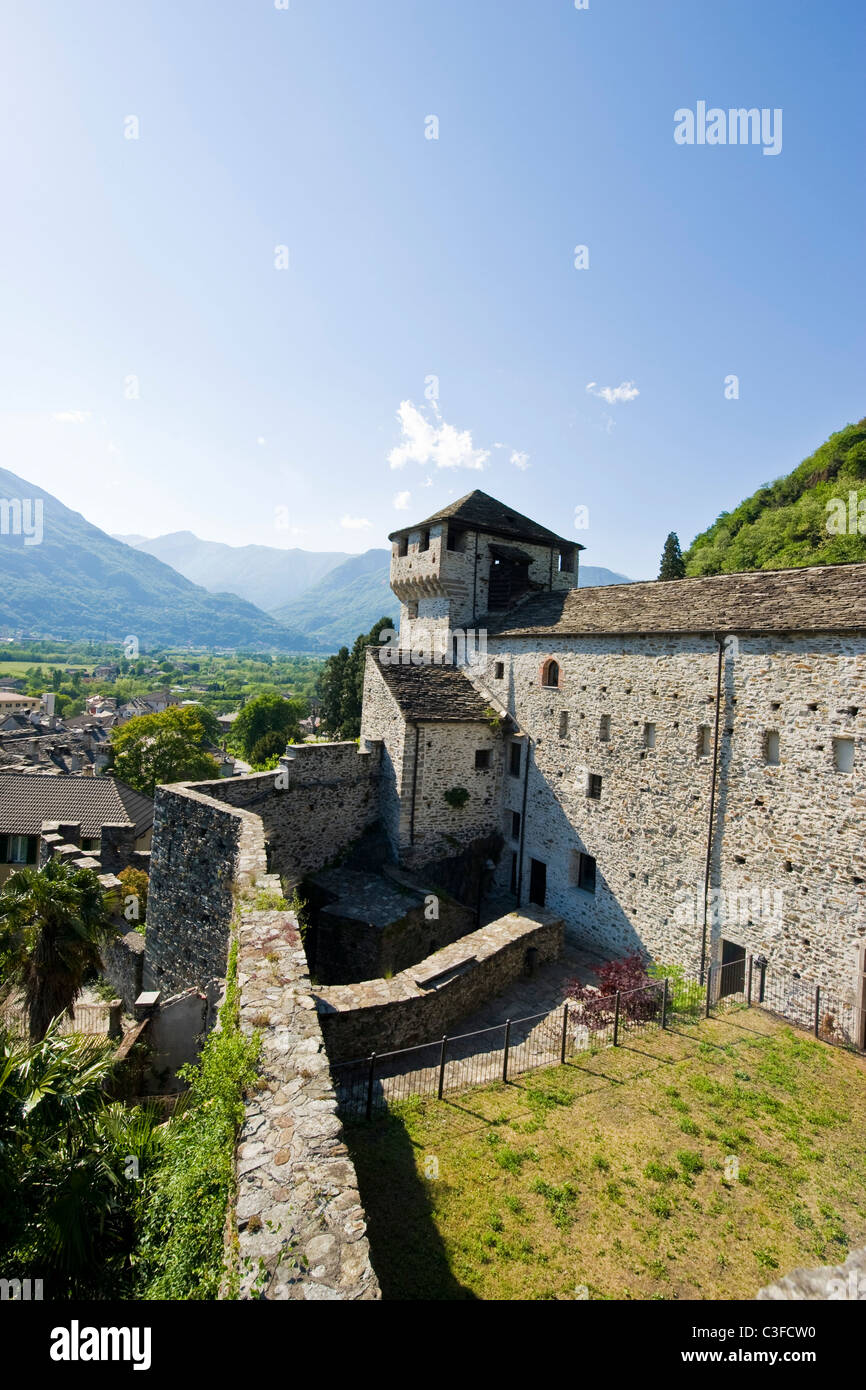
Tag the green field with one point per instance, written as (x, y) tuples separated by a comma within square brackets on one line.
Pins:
[(606, 1178)]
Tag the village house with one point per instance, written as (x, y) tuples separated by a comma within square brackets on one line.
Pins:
[(98, 818)]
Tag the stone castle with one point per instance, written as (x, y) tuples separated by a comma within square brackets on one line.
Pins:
[(675, 768)]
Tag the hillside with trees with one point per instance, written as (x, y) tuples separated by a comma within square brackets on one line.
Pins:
[(808, 517)]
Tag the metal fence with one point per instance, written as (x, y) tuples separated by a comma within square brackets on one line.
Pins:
[(369, 1085)]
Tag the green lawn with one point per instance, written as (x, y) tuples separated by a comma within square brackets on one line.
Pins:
[(606, 1178)]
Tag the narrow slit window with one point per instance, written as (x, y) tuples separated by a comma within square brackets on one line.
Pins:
[(649, 735), (604, 728), (771, 747), (563, 724), (704, 743), (843, 754), (593, 787)]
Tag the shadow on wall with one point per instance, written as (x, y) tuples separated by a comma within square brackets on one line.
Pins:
[(406, 1249)]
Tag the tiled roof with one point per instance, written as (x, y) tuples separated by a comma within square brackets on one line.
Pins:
[(822, 598), (26, 801), (479, 511), (434, 693)]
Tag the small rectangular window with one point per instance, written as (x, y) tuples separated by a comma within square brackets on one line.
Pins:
[(482, 759), (604, 728), (514, 873), (403, 545), (515, 825), (515, 759), (649, 735), (843, 754), (563, 724), (412, 610), (18, 845), (424, 541), (582, 871), (593, 786), (771, 747), (704, 745), (498, 670), (566, 561)]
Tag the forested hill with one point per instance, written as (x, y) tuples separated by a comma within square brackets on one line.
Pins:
[(788, 524)]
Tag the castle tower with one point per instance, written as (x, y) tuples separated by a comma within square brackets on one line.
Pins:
[(474, 557)]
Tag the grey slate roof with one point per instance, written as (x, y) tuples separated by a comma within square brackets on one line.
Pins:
[(479, 511), (820, 598), (26, 801), (434, 693)]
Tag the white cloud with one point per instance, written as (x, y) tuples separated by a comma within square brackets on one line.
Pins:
[(72, 417), (614, 394), (443, 446), (401, 501), (355, 523), (428, 481), (260, 440), (499, 446), (520, 461)]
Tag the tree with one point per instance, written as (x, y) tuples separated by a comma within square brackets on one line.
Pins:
[(341, 684), (67, 1207), (269, 746), (159, 748), (53, 922), (673, 565), (135, 883), (269, 713)]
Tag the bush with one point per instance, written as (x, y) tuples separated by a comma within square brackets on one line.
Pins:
[(456, 797), (639, 1001)]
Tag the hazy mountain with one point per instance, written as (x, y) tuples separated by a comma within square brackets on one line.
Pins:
[(808, 517), (347, 601), (262, 574), (79, 582), (588, 576)]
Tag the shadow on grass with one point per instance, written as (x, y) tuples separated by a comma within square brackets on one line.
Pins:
[(406, 1248)]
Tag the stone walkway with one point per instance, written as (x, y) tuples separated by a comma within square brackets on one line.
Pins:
[(475, 1048)]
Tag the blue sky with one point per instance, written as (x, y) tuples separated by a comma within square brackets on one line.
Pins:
[(268, 400)]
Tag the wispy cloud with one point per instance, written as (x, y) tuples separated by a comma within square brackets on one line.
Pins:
[(440, 445), (355, 523), (402, 500), (72, 417), (614, 395), (519, 460)]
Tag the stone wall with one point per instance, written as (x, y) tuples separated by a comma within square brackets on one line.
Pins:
[(201, 848), (123, 966), (301, 1230), (320, 799), (209, 834), (383, 1015), (786, 836)]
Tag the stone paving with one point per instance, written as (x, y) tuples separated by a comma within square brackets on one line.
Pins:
[(475, 1050)]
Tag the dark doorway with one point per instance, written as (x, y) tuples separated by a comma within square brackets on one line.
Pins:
[(732, 976), (537, 882)]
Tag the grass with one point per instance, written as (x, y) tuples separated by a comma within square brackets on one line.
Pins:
[(610, 1173)]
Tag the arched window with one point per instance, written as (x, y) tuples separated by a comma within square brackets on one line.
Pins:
[(550, 674)]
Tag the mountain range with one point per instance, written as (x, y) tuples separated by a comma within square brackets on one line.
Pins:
[(178, 590)]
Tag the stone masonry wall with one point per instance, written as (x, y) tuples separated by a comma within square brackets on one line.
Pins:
[(201, 848), (321, 798), (382, 1015), (788, 844), (301, 1229)]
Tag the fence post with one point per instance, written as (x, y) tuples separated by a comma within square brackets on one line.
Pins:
[(749, 986), (505, 1053), (442, 1065), (370, 1085), (817, 1011), (709, 992), (564, 1032), (665, 1003), (616, 1019)]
